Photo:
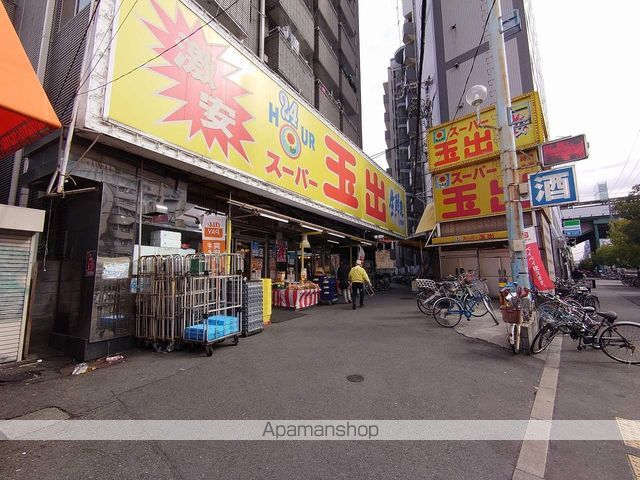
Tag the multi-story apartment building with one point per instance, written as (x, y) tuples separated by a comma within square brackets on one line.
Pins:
[(314, 45), (451, 34), (266, 119)]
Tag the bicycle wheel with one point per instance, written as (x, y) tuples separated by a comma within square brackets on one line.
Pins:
[(447, 312), (544, 338), (621, 342), (425, 301), (591, 301), (517, 331), (475, 305)]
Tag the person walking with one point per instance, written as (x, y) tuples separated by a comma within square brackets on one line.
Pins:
[(358, 277), (343, 282)]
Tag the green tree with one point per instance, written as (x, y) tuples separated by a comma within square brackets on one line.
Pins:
[(629, 209)]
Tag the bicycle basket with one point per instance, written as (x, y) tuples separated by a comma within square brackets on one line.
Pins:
[(425, 283), (511, 314)]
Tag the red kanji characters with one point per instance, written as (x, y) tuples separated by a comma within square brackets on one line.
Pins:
[(447, 153), (375, 197), (497, 197), (463, 200), (345, 191), (481, 144), (274, 167)]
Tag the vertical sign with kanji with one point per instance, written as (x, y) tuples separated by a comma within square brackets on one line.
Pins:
[(553, 187), (214, 230)]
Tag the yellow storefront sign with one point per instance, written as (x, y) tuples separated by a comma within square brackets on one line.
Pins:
[(465, 141), (208, 97), (476, 191), (471, 237)]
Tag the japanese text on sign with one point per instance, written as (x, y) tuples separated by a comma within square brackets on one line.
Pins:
[(553, 187), (209, 98), (476, 191), (466, 141)]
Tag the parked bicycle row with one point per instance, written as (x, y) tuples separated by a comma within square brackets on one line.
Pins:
[(572, 310), (631, 281)]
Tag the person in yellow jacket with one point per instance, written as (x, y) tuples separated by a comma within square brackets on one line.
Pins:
[(357, 278)]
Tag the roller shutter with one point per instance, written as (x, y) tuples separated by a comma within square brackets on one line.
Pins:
[(14, 273)]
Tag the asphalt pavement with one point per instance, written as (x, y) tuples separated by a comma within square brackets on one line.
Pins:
[(298, 369)]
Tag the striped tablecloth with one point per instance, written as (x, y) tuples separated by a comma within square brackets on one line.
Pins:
[(295, 298)]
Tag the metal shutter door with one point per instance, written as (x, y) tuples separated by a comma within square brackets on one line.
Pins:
[(14, 269)]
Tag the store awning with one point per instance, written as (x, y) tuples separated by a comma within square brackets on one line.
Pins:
[(427, 222), (25, 111)]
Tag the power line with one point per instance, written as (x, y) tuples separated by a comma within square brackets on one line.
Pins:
[(113, 37), (633, 146), (475, 55), (75, 56), (163, 52)]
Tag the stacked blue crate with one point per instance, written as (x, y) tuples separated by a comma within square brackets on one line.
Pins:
[(252, 308), (328, 289), (216, 327)]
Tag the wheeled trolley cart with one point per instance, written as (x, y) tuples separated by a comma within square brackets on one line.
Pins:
[(194, 300)]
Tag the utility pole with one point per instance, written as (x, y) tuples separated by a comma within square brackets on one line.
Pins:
[(508, 157)]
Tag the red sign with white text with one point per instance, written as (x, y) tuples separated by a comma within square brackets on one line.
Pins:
[(537, 270)]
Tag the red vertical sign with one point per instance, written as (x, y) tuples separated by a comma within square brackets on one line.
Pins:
[(537, 270)]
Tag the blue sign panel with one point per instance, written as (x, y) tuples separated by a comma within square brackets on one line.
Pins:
[(553, 187)]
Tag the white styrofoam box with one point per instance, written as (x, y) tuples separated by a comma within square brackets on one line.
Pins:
[(166, 238), (147, 250)]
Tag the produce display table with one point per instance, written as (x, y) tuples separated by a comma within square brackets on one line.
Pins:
[(296, 299)]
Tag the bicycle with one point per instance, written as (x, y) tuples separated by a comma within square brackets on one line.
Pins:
[(448, 311), (605, 335)]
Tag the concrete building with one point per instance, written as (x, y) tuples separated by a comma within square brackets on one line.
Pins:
[(456, 57), (601, 191), (314, 45), (130, 174)]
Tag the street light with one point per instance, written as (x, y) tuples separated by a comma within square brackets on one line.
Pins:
[(475, 96)]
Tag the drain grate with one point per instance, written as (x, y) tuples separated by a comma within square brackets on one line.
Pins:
[(355, 378)]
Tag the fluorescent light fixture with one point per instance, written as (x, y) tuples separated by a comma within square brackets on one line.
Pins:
[(366, 243), (161, 208), (336, 234), (309, 227), (272, 217), (332, 241)]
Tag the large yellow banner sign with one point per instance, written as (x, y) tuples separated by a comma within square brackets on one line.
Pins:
[(465, 141), (476, 191), (208, 97)]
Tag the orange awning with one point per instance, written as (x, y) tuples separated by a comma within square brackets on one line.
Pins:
[(25, 111)]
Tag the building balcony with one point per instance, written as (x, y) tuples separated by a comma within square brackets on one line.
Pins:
[(348, 54), (327, 19), (327, 105), (387, 138), (326, 62), (349, 16), (350, 129), (295, 14), (348, 95), (283, 60), (234, 16), (408, 33), (410, 54)]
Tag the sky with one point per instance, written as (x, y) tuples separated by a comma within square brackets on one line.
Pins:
[(590, 69)]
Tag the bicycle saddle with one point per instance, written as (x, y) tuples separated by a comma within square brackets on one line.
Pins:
[(610, 316)]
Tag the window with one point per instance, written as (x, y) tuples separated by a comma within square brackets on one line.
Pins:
[(80, 4)]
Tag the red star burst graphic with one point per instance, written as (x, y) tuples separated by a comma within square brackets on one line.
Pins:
[(202, 83)]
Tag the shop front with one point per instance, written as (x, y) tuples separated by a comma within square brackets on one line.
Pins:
[(292, 193)]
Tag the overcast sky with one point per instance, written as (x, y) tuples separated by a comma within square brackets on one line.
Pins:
[(591, 71)]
